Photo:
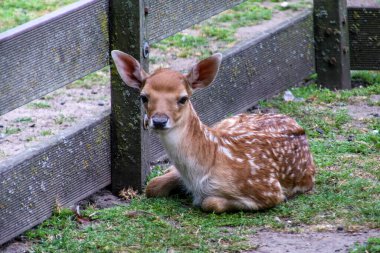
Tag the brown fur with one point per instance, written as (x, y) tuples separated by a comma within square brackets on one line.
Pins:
[(246, 162)]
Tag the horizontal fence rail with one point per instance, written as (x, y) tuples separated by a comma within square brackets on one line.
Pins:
[(68, 168), (364, 33), (52, 51), (258, 69)]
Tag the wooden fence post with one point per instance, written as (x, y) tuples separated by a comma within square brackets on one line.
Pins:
[(129, 142), (332, 57)]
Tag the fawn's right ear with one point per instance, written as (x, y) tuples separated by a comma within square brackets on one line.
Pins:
[(129, 69), (204, 72)]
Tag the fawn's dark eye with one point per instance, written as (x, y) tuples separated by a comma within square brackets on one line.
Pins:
[(182, 100), (144, 99)]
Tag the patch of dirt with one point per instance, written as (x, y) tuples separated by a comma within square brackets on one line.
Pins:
[(101, 199), (360, 109), (16, 247), (363, 111), (278, 17), (363, 3), (312, 242), (375, 98)]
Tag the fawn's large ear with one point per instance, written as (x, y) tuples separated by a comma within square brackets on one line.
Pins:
[(129, 69), (204, 72)]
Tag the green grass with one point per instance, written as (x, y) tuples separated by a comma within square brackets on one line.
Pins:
[(224, 34), (368, 77), (183, 41), (100, 77), (12, 130), (46, 132), (346, 194), (148, 226), (59, 120), (246, 14), (39, 105), (17, 12), (24, 120), (371, 246), (156, 171)]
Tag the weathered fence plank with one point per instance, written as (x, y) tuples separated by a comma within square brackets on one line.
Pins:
[(364, 30), (167, 17), (52, 51), (332, 60), (130, 152), (255, 70), (65, 169)]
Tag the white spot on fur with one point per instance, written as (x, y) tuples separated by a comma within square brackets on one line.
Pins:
[(226, 141), (239, 160), (268, 194), (209, 136), (226, 151), (275, 165)]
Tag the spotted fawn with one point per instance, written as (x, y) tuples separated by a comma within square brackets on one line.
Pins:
[(245, 162)]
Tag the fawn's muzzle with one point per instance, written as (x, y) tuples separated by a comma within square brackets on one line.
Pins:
[(159, 121)]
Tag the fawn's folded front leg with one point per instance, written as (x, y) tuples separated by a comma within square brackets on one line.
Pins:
[(163, 185), (221, 205)]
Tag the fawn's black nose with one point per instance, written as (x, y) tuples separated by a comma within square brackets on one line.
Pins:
[(159, 121)]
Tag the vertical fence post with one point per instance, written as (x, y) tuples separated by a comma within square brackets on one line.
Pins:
[(129, 142), (332, 57)]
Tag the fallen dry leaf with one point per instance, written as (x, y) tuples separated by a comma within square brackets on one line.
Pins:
[(128, 194)]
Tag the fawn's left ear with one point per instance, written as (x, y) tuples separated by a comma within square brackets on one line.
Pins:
[(129, 69), (205, 71)]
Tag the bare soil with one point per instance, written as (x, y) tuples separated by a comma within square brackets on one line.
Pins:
[(360, 110), (309, 242), (363, 3)]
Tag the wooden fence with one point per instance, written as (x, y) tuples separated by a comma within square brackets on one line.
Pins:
[(52, 51)]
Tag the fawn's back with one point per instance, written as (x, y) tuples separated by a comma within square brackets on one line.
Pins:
[(268, 155)]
